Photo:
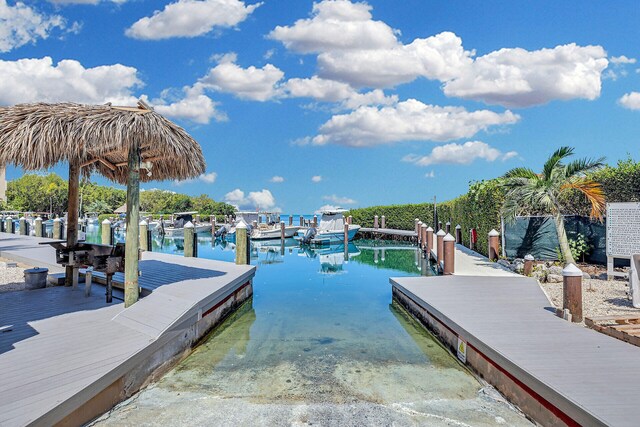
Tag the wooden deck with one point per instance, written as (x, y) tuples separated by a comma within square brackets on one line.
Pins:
[(62, 352), (514, 340)]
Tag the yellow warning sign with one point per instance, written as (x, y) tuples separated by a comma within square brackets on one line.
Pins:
[(462, 350)]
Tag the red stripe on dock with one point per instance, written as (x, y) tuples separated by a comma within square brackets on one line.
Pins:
[(212, 309), (544, 402)]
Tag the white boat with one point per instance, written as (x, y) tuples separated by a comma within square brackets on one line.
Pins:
[(331, 228), (177, 228), (271, 229)]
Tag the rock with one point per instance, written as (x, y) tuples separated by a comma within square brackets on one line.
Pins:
[(540, 275), (518, 266), (554, 269), (586, 275), (8, 264), (554, 278), (602, 276), (540, 267), (504, 263)]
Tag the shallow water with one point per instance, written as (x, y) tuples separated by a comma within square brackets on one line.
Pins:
[(319, 343)]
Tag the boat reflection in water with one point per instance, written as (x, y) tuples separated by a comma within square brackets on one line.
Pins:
[(332, 258)]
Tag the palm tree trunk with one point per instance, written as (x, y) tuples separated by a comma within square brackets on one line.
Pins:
[(563, 240)]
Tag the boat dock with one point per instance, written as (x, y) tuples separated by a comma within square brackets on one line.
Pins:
[(387, 233), (503, 326), (66, 358)]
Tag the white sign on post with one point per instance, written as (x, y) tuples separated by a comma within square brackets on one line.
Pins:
[(462, 350), (623, 232)]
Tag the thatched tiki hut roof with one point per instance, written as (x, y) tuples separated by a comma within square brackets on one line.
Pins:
[(125, 144)]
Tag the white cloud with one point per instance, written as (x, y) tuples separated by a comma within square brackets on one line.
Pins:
[(520, 78), (339, 200), (336, 24), (325, 90), (459, 154), (622, 59), (39, 80), (190, 18), (195, 106), (21, 24), (327, 208), (260, 200), (206, 178), (438, 57), (257, 84), (409, 120), (277, 179), (316, 178), (430, 174), (630, 100)]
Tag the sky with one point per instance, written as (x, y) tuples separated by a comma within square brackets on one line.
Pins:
[(300, 104)]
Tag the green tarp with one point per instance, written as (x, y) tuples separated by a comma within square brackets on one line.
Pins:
[(536, 235)]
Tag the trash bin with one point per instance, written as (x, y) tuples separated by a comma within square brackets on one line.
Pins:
[(36, 278)]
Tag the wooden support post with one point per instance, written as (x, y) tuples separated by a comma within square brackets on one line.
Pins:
[(429, 245), (23, 226), (528, 265), (197, 218), (439, 225), (375, 255), (1, 223), (383, 222), (459, 234), (315, 221), (350, 219), (72, 216), (301, 221), (213, 224), (242, 241), (57, 229), (282, 230), (375, 221), (449, 246), (254, 224), (415, 225), (290, 220), (494, 245), (88, 278), (105, 232), (132, 241), (419, 234), (144, 227), (440, 246), (423, 236), (572, 291), (38, 225), (189, 231), (346, 235), (448, 227)]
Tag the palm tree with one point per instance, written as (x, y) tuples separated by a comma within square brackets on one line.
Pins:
[(529, 191)]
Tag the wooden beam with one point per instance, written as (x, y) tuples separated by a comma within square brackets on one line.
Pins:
[(132, 242), (150, 159), (108, 164), (88, 162)]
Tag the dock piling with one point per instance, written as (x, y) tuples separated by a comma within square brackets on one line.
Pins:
[(290, 220), (242, 244), (440, 246), (105, 231), (459, 234), (144, 227), (449, 249), (423, 236), (350, 219), (315, 221), (375, 221), (57, 229), (494, 245), (383, 222), (301, 221), (38, 227), (189, 231), (415, 225), (23, 226), (419, 234), (448, 227), (282, 230), (572, 292), (528, 265), (429, 242)]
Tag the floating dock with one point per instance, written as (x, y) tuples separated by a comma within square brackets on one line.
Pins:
[(503, 327), (66, 358)]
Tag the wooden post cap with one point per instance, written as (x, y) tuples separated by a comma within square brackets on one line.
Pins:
[(441, 233), (571, 271), (448, 238), (430, 229), (143, 223), (55, 220), (458, 227), (529, 257), (493, 233)]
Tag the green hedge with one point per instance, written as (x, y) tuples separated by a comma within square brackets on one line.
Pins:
[(479, 209)]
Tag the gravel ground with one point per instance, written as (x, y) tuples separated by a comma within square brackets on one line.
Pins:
[(12, 279), (600, 297)]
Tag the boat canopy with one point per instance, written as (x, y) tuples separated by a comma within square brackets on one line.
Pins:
[(331, 221)]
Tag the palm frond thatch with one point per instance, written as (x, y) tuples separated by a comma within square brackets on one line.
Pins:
[(38, 136)]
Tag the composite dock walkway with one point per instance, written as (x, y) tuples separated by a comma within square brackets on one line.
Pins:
[(557, 372), (66, 358)]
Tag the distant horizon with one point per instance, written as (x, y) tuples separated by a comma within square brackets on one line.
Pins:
[(302, 104)]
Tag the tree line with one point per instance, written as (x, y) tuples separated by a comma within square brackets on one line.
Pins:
[(48, 193)]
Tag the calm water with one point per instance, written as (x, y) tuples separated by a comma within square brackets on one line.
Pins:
[(320, 343)]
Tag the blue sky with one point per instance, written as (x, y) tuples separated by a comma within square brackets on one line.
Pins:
[(299, 104)]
